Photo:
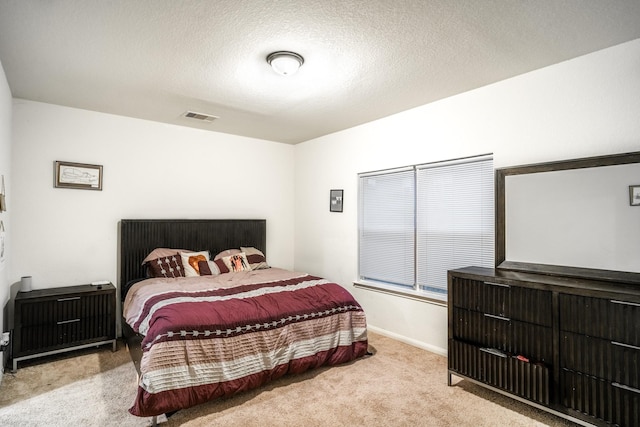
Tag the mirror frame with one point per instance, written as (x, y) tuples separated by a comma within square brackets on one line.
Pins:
[(557, 270)]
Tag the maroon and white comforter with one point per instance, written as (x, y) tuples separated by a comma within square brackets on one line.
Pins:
[(213, 336)]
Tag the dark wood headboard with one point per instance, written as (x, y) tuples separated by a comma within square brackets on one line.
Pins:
[(138, 237)]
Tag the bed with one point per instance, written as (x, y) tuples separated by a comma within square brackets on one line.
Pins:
[(234, 325)]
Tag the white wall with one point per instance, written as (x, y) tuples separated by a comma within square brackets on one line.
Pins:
[(584, 107), (65, 237), (5, 169)]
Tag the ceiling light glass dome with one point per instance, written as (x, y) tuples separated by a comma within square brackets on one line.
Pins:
[(285, 63)]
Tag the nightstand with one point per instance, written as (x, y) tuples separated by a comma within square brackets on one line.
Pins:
[(56, 320)]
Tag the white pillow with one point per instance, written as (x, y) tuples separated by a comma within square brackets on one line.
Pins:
[(237, 262), (190, 262)]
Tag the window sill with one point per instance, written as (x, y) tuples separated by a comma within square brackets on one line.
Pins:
[(403, 293)]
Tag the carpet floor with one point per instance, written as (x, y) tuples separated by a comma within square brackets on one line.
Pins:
[(400, 385)]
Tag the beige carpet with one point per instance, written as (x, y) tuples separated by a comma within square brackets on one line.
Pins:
[(399, 385)]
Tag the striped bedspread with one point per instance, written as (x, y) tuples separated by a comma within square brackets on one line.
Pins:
[(213, 336)]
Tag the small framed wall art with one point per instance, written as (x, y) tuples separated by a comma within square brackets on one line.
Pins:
[(335, 200), (78, 175), (634, 195)]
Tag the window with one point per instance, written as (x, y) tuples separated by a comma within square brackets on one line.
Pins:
[(415, 223)]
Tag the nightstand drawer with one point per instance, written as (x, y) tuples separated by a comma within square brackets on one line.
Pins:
[(52, 336), (63, 309)]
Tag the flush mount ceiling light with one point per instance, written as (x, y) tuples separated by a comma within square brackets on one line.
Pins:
[(285, 63)]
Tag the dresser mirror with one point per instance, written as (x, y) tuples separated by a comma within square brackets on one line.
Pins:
[(570, 218)]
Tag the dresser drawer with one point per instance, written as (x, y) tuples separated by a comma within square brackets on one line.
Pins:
[(514, 302), (606, 359), (611, 319), (486, 297), (482, 329), (609, 401), (527, 380), (533, 341)]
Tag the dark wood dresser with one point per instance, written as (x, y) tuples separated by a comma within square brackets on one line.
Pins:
[(56, 320), (570, 346)]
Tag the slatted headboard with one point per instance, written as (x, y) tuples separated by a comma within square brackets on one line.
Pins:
[(138, 237)]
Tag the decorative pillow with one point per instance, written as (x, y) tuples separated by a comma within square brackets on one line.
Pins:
[(162, 252), (237, 262), (168, 266), (208, 268), (256, 258), (228, 252), (222, 267), (190, 262)]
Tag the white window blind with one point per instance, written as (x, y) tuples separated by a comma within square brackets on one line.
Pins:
[(418, 222), (454, 218), (387, 224)]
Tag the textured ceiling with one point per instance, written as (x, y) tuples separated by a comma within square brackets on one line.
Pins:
[(364, 60)]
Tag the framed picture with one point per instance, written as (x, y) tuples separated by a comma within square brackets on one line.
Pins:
[(335, 200), (78, 175), (634, 195)]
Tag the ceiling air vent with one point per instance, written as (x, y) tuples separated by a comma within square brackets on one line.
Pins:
[(200, 116)]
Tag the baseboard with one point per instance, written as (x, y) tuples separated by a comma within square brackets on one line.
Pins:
[(410, 341)]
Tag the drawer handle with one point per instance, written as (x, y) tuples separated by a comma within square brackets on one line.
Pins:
[(614, 301), (68, 299), (493, 351), (68, 321), (625, 345), (497, 284), (493, 316), (626, 387)]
